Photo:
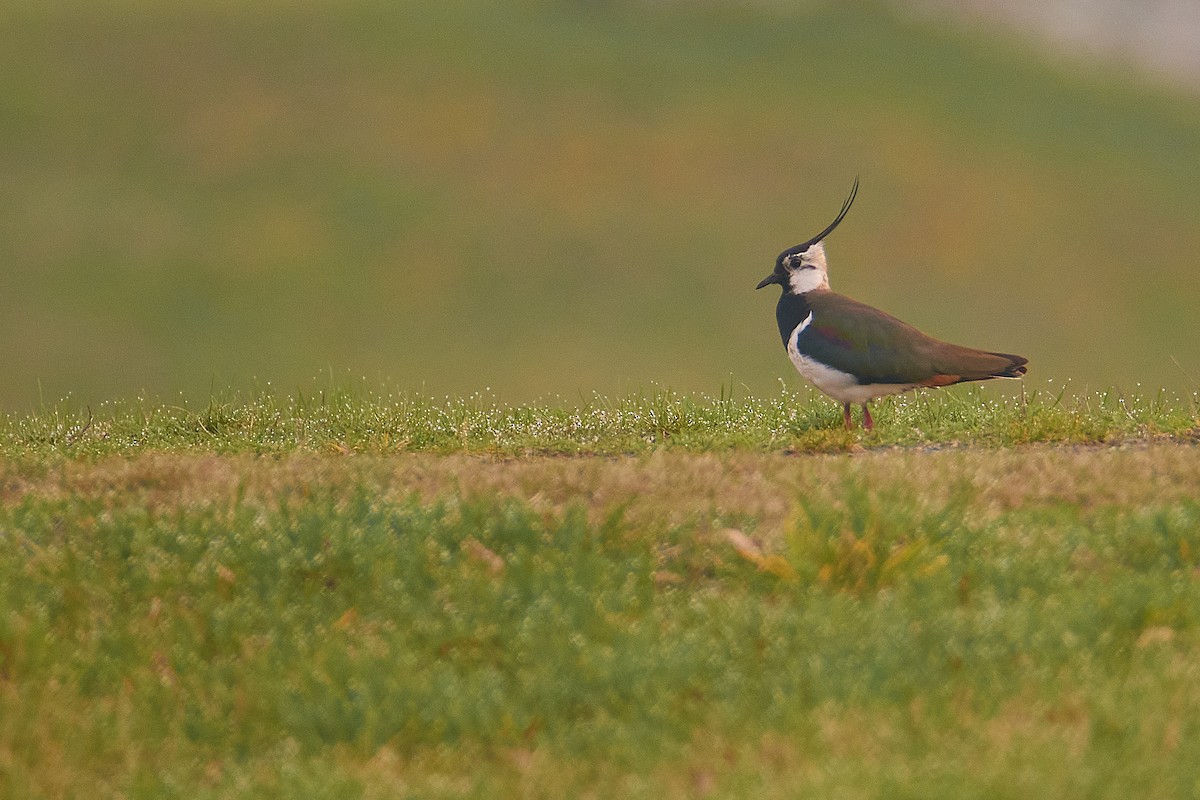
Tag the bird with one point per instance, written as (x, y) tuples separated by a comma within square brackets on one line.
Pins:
[(856, 353)]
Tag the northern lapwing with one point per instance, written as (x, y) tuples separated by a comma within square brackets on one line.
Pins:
[(855, 353)]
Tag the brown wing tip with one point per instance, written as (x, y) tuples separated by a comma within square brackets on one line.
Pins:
[(1015, 369)]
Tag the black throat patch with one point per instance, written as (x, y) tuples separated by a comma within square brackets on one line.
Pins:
[(791, 311)]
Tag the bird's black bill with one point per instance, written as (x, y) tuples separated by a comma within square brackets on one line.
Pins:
[(772, 278)]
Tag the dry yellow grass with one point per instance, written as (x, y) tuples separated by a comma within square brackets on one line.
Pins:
[(672, 487)]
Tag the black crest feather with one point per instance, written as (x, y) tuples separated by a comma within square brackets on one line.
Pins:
[(800, 248)]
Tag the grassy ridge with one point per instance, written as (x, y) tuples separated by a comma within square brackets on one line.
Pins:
[(348, 419), (962, 623)]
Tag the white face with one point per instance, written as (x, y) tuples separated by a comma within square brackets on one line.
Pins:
[(807, 270)]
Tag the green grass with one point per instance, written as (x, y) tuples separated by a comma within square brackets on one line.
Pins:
[(362, 419), (899, 623)]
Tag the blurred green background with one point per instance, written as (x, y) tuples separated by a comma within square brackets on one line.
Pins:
[(555, 198)]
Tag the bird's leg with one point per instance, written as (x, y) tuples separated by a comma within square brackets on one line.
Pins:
[(868, 423), (846, 416)]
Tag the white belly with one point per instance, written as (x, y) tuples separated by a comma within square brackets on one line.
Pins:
[(841, 386)]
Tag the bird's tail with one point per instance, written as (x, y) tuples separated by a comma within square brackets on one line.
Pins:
[(960, 364), (1015, 367)]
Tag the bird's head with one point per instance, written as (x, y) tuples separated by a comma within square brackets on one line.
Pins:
[(801, 268)]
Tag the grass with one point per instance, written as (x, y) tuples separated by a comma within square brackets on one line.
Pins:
[(199, 620), (347, 419)]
